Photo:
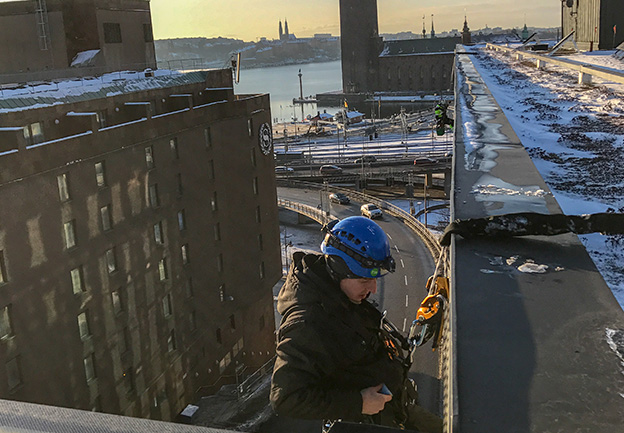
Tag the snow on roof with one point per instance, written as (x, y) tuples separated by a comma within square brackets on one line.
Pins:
[(82, 89), (84, 58), (354, 114)]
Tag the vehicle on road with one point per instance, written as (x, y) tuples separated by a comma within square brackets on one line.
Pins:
[(371, 211), (330, 169), (282, 169), (425, 161), (365, 158), (338, 197)]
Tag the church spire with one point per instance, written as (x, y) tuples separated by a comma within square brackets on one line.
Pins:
[(281, 32), (466, 38), (432, 30), (286, 27)]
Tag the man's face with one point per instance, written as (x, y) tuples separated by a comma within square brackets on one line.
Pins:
[(358, 289)]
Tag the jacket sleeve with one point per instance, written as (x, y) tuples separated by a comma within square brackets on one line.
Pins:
[(300, 387)]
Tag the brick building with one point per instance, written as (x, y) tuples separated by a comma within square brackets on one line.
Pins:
[(139, 242), (47, 39)]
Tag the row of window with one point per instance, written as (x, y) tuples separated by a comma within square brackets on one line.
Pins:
[(112, 33)]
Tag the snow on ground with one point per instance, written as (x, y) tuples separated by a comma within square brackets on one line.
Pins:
[(575, 136)]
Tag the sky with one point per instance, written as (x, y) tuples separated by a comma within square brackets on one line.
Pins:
[(250, 20)]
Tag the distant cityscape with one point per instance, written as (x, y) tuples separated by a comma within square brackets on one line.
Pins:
[(287, 49)]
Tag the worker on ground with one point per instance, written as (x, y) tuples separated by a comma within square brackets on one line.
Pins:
[(334, 361)]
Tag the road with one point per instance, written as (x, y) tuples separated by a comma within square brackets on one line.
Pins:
[(401, 292)]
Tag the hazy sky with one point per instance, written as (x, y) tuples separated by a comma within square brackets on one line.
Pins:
[(252, 19)]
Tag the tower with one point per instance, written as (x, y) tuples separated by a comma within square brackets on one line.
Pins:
[(432, 30), (466, 39), (360, 45), (286, 34), (281, 32)]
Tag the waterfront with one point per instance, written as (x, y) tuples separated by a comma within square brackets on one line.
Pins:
[(282, 83)]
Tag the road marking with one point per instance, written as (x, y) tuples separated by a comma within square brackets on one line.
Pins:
[(404, 323), (389, 236), (397, 249), (406, 300), (405, 279), (402, 264)]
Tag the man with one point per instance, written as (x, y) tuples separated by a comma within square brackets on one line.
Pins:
[(333, 359)]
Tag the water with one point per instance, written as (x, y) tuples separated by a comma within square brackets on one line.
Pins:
[(282, 83)]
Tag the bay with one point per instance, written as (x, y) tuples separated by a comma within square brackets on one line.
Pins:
[(282, 83)]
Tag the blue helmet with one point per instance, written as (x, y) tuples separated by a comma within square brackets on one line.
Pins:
[(356, 247)]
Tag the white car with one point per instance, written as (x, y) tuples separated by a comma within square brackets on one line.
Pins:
[(371, 211), (282, 169)]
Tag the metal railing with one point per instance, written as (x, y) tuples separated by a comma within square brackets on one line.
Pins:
[(429, 239), (585, 70)]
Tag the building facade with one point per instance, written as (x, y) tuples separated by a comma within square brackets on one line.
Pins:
[(370, 64), (139, 243), (48, 39), (598, 24)]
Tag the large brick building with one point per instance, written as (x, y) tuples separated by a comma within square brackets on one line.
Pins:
[(46, 39), (370, 64), (139, 237)]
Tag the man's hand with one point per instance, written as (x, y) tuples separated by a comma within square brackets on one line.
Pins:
[(372, 401)]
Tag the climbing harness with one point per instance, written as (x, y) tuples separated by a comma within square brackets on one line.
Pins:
[(430, 314)]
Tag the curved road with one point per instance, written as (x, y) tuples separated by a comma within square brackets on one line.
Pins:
[(401, 292)]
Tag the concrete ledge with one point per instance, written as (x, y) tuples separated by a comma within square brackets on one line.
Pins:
[(531, 349)]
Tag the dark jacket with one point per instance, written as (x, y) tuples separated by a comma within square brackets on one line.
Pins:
[(328, 350)]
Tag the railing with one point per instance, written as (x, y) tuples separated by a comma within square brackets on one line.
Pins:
[(249, 385), (429, 239), (585, 71)]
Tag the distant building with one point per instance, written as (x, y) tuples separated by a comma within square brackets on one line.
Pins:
[(598, 24), (48, 39), (370, 64)]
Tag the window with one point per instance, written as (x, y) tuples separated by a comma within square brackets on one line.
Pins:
[(6, 328), (262, 270), (260, 242), (218, 335), (124, 340), (33, 133), (70, 235), (250, 127), (76, 280), (148, 35), (63, 186), (112, 33), (128, 379), (149, 157), (220, 262), (100, 174), (162, 269), (181, 220), (185, 254), (100, 118), (255, 185), (3, 273), (222, 292), (153, 196), (105, 216), (111, 260), (89, 367), (232, 322), (238, 346), (258, 215), (193, 320), (189, 287), (171, 341), (117, 301), (214, 202), (180, 188), (14, 374), (211, 170), (173, 144), (83, 325), (166, 304), (158, 233), (208, 137), (217, 232)]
